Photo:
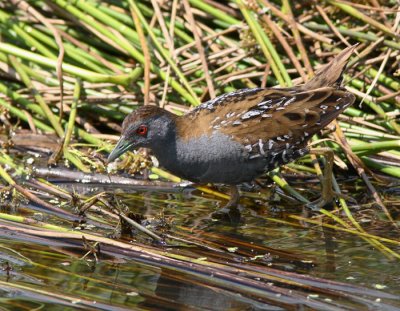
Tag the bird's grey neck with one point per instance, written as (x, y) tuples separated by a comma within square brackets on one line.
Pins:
[(165, 149)]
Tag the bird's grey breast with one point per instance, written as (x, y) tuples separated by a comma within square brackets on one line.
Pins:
[(214, 158)]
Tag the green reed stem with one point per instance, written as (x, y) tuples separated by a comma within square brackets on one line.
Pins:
[(265, 44), (87, 75), (39, 99), (165, 53), (23, 116), (72, 114)]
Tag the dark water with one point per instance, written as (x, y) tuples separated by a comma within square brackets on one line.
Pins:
[(48, 274)]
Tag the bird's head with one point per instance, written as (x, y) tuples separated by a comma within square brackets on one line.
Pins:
[(147, 126)]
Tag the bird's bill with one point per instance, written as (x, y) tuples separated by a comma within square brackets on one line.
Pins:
[(123, 145)]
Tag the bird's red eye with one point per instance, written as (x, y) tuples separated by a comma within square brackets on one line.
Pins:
[(142, 130)]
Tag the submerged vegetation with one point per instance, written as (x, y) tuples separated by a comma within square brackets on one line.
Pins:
[(72, 69)]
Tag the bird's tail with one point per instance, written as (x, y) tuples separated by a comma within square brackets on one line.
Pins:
[(331, 73)]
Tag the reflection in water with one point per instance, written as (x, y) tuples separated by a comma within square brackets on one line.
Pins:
[(330, 264), (200, 297), (263, 238)]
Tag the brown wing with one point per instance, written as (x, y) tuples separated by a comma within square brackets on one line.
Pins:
[(251, 114), (286, 117), (218, 112)]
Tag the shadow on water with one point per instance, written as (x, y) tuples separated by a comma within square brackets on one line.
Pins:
[(303, 263)]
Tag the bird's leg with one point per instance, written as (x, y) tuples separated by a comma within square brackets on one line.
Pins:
[(327, 182), (230, 211), (233, 200), (234, 197)]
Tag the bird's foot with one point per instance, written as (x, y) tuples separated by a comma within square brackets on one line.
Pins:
[(326, 200), (230, 214), (328, 194), (320, 203)]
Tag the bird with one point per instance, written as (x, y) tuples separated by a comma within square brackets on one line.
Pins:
[(238, 136)]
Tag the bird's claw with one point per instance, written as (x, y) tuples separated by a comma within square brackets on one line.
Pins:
[(229, 214), (327, 201), (319, 203)]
